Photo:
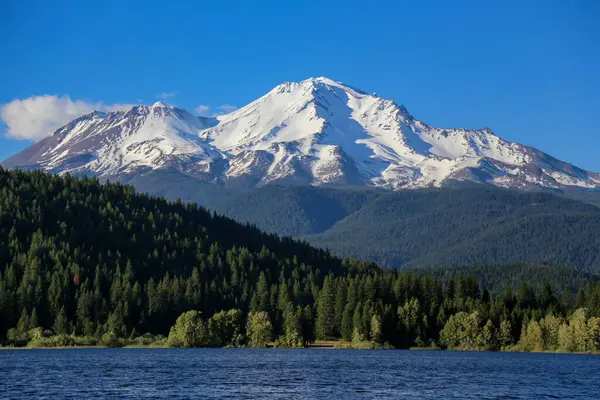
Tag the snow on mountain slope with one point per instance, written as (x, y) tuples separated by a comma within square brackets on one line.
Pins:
[(317, 131), (323, 131), (113, 143)]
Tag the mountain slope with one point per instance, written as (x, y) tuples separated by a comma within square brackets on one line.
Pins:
[(109, 260), (458, 227), (314, 132), (425, 227), (496, 277), (84, 264), (111, 144), (323, 132), (293, 210)]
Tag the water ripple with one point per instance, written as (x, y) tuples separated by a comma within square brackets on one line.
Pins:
[(294, 374)]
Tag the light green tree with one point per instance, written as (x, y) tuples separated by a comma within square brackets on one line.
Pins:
[(259, 329), (411, 320), (461, 331), (594, 333), (531, 337), (225, 328), (550, 326), (488, 337), (292, 327), (189, 331), (505, 337), (376, 329), (357, 337), (566, 339), (581, 335)]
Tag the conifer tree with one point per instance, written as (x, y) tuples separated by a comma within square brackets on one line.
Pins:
[(326, 323)]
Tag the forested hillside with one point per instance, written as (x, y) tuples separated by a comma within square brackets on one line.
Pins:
[(294, 210), (421, 228), (88, 252), (84, 263), (497, 277), (457, 227)]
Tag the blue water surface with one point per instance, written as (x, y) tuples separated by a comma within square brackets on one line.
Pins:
[(295, 374)]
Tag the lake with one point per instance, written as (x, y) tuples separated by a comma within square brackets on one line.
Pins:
[(295, 374)]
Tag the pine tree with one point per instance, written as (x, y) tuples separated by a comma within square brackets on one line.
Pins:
[(262, 294), (292, 325), (61, 324), (326, 324), (376, 329), (505, 337), (357, 320), (340, 305)]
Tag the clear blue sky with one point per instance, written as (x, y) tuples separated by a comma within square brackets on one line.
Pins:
[(530, 70)]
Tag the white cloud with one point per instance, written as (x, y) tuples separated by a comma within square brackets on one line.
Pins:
[(115, 107), (166, 95), (224, 109), (227, 108), (36, 117), (202, 110)]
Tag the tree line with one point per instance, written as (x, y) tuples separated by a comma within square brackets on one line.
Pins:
[(82, 262)]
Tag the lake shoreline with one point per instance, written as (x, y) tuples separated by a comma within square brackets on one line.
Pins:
[(316, 346)]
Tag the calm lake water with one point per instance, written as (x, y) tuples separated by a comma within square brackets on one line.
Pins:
[(295, 374)]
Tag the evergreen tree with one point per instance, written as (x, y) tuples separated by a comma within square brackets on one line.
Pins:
[(326, 316), (376, 329), (81, 258), (262, 294), (61, 324), (505, 334), (348, 315), (292, 336)]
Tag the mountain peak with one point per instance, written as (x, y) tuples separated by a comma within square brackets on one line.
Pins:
[(317, 131), (324, 79), (315, 84), (98, 114), (161, 104)]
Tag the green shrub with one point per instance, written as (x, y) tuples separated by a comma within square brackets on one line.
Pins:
[(189, 331)]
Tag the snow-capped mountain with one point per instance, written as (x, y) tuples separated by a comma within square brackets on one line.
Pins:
[(109, 144), (317, 131)]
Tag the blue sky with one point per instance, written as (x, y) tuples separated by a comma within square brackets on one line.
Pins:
[(529, 70)]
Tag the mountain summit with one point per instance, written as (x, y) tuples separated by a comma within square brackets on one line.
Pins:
[(318, 132)]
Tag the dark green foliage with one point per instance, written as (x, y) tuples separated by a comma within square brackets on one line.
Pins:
[(172, 185), (496, 277), (293, 210), (467, 226), (86, 258), (226, 329), (84, 263), (326, 316), (419, 228)]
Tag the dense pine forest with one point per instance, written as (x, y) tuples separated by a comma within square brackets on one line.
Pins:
[(85, 263), (428, 227)]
